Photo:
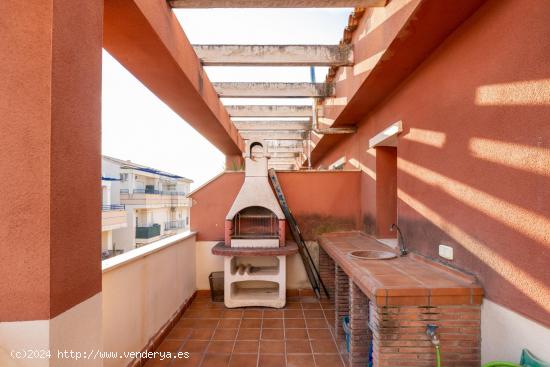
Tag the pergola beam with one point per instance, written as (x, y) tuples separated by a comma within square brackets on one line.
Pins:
[(273, 90), (259, 125), (275, 55), (276, 3), (273, 134), (269, 111), (275, 155), (291, 149), (147, 39)]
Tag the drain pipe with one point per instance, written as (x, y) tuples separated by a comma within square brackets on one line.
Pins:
[(431, 332)]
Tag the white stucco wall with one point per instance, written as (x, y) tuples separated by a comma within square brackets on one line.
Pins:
[(142, 289), (504, 333)]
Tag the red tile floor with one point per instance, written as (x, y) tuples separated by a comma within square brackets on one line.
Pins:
[(300, 335)]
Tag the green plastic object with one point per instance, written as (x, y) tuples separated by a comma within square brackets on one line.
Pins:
[(527, 360), (437, 356)]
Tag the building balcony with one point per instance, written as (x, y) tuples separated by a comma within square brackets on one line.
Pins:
[(174, 224), (113, 216), (154, 198)]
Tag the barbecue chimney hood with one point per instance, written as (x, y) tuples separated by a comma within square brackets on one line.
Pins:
[(255, 218)]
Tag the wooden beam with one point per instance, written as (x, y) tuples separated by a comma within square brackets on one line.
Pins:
[(259, 125), (275, 55), (273, 90), (273, 134), (276, 3), (269, 111)]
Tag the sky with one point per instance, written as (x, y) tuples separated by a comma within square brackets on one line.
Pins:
[(138, 126)]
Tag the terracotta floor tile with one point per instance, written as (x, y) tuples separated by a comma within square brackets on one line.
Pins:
[(157, 362), (243, 360), (311, 305), (273, 334), (251, 323), (218, 337), (232, 314), (319, 334), (300, 360), (273, 314), (229, 323), (328, 360), (194, 360), (201, 334), (314, 314), (252, 314), (272, 347), (298, 347), (215, 360), (170, 345), (195, 346), (212, 314), (206, 323), (294, 314), (189, 323), (248, 334), (293, 306), (192, 314), (295, 323), (272, 360), (272, 323), (316, 323), (178, 333), (324, 346), (225, 334), (218, 346), (246, 347), (296, 334)]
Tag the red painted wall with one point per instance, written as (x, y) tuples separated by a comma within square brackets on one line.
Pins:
[(50, 163), (321, 201), (474, 159)]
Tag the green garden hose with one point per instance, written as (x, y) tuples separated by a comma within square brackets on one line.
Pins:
[(437, 356), (501, 364)]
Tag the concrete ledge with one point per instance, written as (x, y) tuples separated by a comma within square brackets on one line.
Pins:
[(133, 255)]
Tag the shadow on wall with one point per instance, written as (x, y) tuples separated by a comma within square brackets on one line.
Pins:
[(485, 191)]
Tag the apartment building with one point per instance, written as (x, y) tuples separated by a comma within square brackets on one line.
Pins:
[(141, 205)]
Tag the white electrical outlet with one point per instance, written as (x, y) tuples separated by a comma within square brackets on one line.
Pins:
[(446, 252)]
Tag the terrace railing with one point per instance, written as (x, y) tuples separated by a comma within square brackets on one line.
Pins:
[(174, 224), (109, 207)]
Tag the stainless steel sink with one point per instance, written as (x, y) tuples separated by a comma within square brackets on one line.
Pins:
[(371, 255)]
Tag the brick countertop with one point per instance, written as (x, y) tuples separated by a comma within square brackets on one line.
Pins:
[(404, 281)]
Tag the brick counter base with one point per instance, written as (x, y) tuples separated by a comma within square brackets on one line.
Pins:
[(399, 337), (326, 272), (398, 332), (341, 300)]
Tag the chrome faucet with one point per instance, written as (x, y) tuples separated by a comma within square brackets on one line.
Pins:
[(400, 241)]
